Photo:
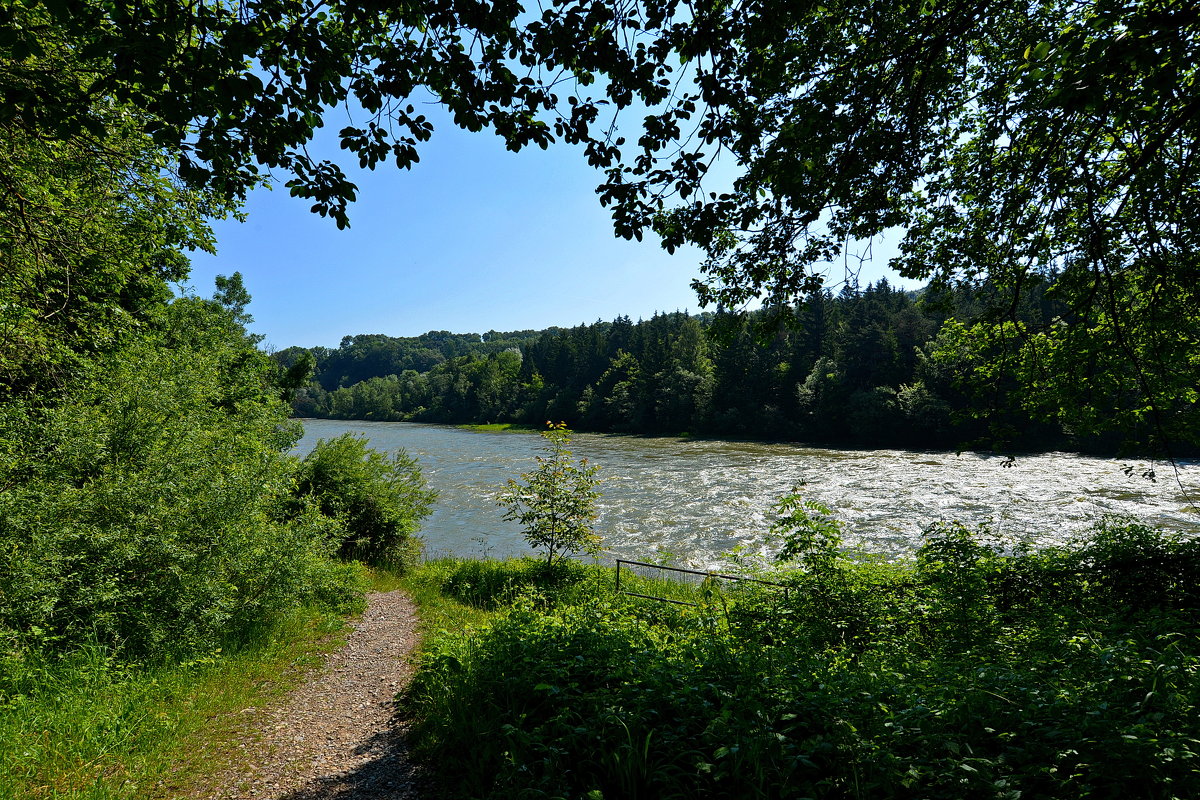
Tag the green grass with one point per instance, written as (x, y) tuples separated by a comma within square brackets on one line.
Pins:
[(87, 727), (502, 427), (456, 596), (440, 612)]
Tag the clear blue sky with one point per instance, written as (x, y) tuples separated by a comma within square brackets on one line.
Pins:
[(474, 238)]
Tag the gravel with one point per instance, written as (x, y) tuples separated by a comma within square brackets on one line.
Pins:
[(337, 737)]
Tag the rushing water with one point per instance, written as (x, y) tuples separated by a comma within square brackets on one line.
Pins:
[(693, 500)]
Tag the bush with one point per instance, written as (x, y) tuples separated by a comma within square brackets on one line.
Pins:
[(969, 672), (379, 502), (141, 510), (556, 502), (1133, 566)]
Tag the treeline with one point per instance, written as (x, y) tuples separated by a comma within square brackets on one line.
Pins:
[(871, 367), (360, 358)]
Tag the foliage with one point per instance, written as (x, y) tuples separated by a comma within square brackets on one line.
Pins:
[(810, 532), (971, 671), (873, 367), (141, 438), (92, 230), (556, 502), (245, 85), (378, 501), (141, 511), (1008, 142), (1026, 369)]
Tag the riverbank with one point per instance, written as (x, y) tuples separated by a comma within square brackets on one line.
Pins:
[(1070, 672), (499, 427), (965, 673)]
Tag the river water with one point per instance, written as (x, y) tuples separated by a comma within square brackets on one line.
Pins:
[(691, 501)]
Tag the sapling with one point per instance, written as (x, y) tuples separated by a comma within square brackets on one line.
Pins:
[(556, 501)]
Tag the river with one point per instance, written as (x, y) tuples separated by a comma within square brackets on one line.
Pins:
[(690, 501)]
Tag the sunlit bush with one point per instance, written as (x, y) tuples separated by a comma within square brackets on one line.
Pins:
[(974, 670), (140, 511), (377, 501)]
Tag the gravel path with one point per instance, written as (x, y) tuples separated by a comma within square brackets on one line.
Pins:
[(335, 737)]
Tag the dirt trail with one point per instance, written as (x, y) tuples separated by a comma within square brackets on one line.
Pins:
[(335, 738)]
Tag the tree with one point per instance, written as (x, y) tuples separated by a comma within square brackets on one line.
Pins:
[(296, 375), (556, 502), (236, 90), (1013, 144), (1010, 143), (92, 231), (231, 295)]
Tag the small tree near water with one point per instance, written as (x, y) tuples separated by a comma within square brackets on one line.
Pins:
[(556, 502)]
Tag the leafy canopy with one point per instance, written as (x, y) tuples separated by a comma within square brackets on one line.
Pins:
[(92, 230), (236, 89), (1013, 144)]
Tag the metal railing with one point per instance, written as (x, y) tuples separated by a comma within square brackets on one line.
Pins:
[(707, 575)]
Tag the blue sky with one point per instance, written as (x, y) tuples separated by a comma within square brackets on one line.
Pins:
[(473, 238)]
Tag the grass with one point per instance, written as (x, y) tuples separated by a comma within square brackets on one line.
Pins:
[(502, 427), (438, 610), (457, 596), (87, 727)]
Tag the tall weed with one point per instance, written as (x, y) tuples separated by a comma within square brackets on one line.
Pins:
[(969, 672)]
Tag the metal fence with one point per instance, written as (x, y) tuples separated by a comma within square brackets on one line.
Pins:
[(693, 573)]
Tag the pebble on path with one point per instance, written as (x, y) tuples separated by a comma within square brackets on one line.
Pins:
[(335, 737)]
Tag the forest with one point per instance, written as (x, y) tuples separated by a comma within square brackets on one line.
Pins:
[(870, 367)]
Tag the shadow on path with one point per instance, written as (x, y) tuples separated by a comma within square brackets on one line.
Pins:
[(390, 773)]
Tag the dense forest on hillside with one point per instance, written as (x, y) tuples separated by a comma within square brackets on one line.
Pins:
[(876, 366)]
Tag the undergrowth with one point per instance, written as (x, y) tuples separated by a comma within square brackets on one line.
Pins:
[(969, 671), (89, 725)]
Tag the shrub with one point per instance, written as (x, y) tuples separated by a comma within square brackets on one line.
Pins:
[(140, 511), (556, 502), (953, 676), (810, 534), (378, 501), (956, 574), (1134, 566)]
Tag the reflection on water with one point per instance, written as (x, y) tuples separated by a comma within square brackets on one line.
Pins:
[(695, 499)]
